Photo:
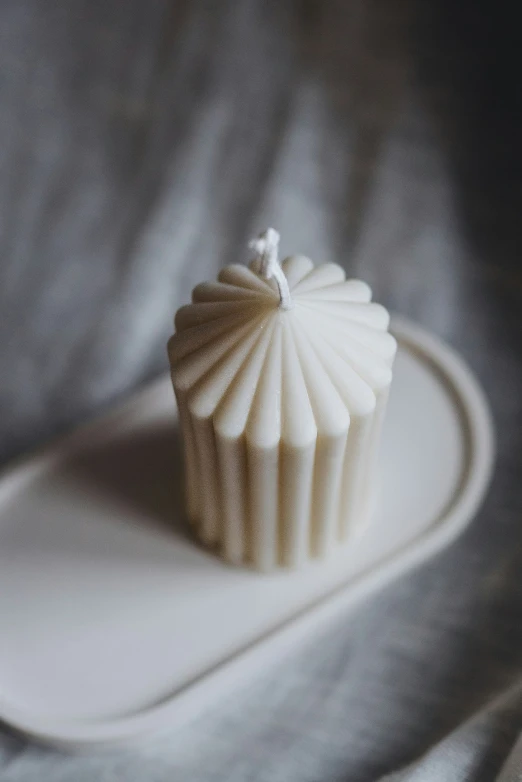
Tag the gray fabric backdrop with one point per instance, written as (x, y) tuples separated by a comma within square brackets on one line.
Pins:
[(141, 145)]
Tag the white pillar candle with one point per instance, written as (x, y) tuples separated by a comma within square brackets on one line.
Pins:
[(281, 385)]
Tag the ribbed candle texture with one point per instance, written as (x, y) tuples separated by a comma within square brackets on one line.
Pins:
[(280, 410)]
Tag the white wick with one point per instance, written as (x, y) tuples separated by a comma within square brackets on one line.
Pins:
[(267, 266)]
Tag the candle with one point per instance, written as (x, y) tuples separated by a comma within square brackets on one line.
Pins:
[(281, 375)]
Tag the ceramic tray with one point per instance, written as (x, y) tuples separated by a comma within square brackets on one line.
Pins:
[(115, 624)]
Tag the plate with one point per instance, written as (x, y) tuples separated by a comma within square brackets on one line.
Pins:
[(116, 624)]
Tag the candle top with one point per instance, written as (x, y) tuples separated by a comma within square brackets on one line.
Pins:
[(275, 373)]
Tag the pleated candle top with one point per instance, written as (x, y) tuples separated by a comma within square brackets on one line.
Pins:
[(280, 409)]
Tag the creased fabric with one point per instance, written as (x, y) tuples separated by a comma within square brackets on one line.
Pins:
[(141, 146)]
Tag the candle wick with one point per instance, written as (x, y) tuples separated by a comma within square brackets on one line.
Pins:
[(266, 264)]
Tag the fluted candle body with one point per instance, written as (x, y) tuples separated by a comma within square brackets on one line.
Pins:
[(280, 410)]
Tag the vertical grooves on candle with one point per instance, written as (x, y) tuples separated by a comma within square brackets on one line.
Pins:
[(230, 420), (333, 421), (209, 521), (354, 473), (263, 435), (295, 487), (342, 365), (286, 509), (326, 493), (191, 459), (210, 382), (369, 486), (297, 453), (234, 481)]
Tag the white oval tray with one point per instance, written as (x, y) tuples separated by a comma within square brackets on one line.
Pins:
[(115, 625)]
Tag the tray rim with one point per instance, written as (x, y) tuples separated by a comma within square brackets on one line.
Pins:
[(187, 703)]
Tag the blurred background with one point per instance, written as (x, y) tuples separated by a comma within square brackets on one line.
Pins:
[(141, 145)]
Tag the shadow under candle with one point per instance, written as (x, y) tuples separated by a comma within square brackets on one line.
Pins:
[(141, 471)]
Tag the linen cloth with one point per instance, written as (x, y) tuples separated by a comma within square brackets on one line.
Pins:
[(141, 146)]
